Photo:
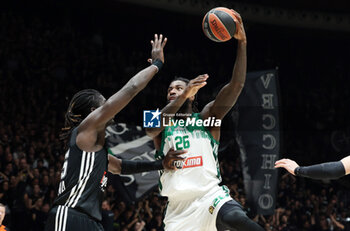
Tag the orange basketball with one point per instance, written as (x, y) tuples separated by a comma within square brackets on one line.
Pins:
[(219, 24)]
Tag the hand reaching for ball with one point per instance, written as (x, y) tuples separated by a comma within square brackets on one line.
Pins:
[(240, 32), (221, 24)]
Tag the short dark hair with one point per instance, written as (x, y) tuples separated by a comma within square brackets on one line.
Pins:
[(79, 108), (181, 79)]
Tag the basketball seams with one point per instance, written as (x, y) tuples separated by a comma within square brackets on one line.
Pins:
[(207, 31), (231, 16), (225, 10), (224, 32), (223, 24), (216, 25)]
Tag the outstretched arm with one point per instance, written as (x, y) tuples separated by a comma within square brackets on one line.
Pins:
[(328, 170), (228, 95), (95, 123), (119, 166)]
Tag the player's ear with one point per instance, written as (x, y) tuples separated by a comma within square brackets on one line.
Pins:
[(92, 109), (192, 98)]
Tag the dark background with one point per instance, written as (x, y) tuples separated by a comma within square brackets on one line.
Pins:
[(51, 49), (312, 63)]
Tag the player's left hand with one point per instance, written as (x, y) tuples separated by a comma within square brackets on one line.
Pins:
[(240, 32), (194, 85), (289, 165), (158, 45), (170, 157)]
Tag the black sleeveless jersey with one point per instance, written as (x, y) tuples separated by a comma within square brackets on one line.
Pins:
[(83, 179)]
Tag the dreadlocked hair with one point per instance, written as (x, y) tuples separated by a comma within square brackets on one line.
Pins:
[(194, 102), (79, 108)]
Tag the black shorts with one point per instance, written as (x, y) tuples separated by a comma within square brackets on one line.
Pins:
[(62, 218)]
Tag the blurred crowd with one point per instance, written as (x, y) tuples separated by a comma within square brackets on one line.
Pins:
[(43, 62)]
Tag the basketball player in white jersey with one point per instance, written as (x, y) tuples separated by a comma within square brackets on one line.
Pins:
[(196, 201)]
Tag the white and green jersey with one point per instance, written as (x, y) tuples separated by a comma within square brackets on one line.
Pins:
[(200, 172)]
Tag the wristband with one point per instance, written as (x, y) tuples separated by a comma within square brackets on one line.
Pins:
[(158, 64)]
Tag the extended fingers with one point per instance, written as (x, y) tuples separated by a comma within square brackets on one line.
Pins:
[(280, 165), (164, 42), (204, 76), (202, 84), (282, 161), (160, 41), (155, 39), (199, 83), (200, 79), (238, 16)]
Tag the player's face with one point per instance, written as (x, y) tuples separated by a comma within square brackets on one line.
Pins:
[(175, 89)]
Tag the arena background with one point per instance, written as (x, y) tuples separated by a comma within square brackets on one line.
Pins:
[(51, 49)]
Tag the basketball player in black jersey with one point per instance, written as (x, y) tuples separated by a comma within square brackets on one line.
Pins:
[(83, 178)]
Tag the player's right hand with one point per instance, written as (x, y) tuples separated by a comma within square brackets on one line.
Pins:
[(289, 165), (158, 45), (240, 32), (171, 156), (194, 85)]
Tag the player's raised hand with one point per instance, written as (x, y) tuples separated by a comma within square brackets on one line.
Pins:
[(170, 157), (289, 165), (195, 84), (240, 32), (158, 45)]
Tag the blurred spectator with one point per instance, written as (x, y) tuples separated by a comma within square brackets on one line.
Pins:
[(107, 216)]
